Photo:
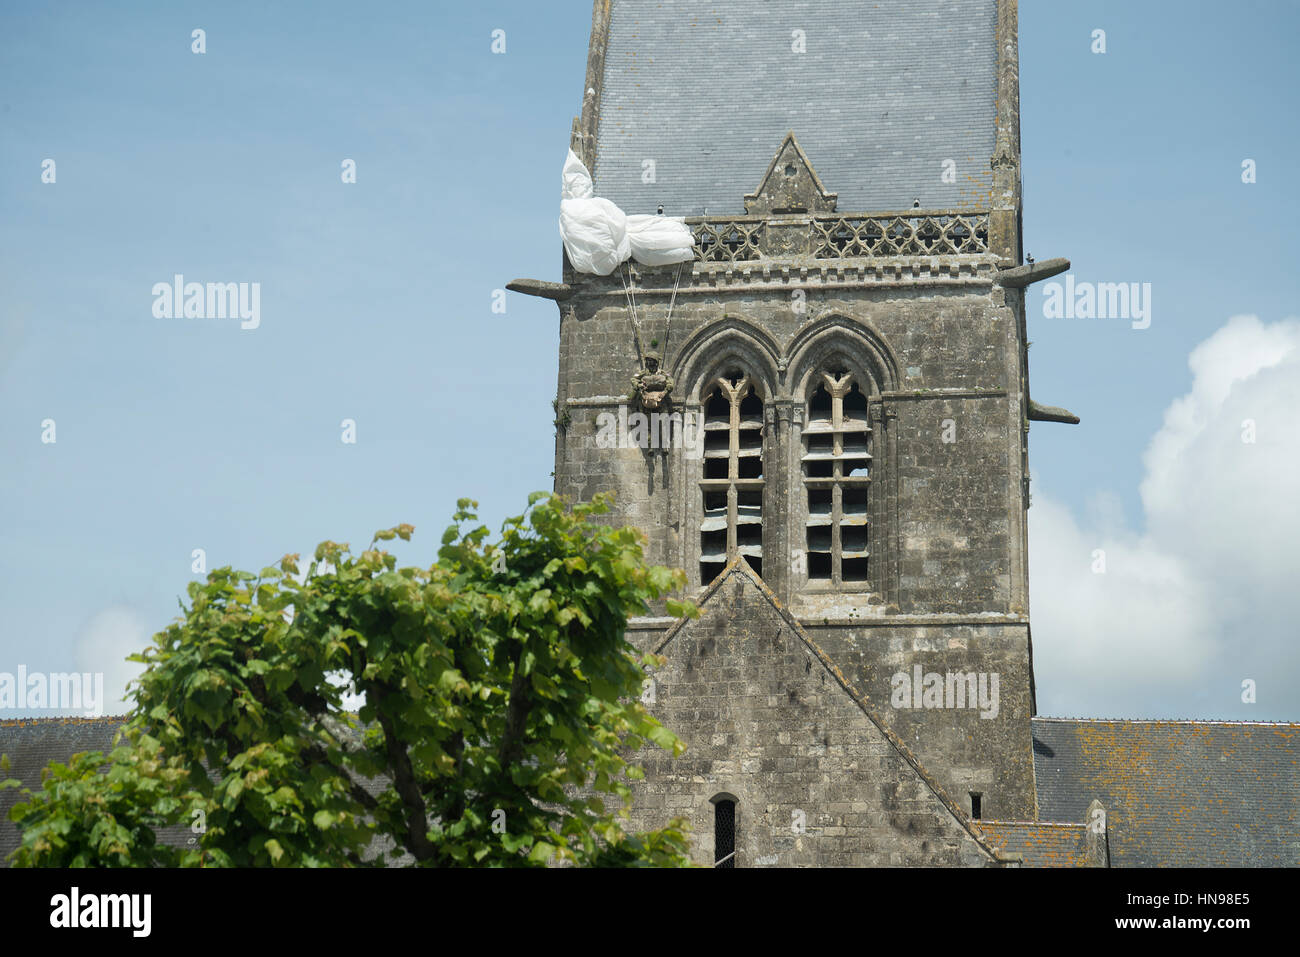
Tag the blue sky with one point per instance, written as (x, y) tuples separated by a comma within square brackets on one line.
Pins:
[(174, 435)]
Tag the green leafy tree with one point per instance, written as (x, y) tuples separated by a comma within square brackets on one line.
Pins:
[(501, 705)]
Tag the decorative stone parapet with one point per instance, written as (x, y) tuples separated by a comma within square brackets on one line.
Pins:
[(871, 235)]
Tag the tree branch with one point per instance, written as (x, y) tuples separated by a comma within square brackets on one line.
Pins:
[(417, 814), (516, 715)]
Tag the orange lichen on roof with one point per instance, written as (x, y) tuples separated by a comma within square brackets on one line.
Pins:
[(33, 722), (1041, 844)]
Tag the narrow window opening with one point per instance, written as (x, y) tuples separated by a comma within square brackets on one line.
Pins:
[(819, 565), (717, 443), (855, 502), (713, 545), (854, 569), (819, 506), (853, 539), (717, 409), (724, 833), (819, 539), (976, 802), (820, 406), (855, 403), (823, 445)]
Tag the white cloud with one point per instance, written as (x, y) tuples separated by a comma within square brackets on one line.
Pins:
[(103, 645), (1200, 598)]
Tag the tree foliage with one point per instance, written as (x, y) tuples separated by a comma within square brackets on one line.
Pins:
[(501, 703)]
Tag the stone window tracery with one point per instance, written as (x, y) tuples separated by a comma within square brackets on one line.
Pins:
[(836, 458), (731, 485)]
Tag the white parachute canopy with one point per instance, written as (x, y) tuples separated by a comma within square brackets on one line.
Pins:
[(599, 237), (660, 240), (577, 180)]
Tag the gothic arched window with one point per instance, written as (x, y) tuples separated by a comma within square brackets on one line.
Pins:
[(732, 480), (837, 479)]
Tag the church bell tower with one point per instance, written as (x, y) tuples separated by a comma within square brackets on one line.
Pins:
[(832, 441)]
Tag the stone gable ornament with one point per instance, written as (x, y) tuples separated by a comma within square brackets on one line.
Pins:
[(791, 186)]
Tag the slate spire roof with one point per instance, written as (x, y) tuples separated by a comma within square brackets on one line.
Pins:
[(879, 94)]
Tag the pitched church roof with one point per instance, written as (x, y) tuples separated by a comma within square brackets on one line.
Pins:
[(879, 95), (31, 744), (1176, 793), (1190, 793)]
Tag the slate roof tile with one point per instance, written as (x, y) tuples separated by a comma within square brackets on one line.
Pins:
[(708, 91), (1176, 793), (31, 744), (1040, 844)]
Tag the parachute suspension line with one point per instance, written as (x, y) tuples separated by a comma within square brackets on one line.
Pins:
[(668, 323), (628, 292)]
